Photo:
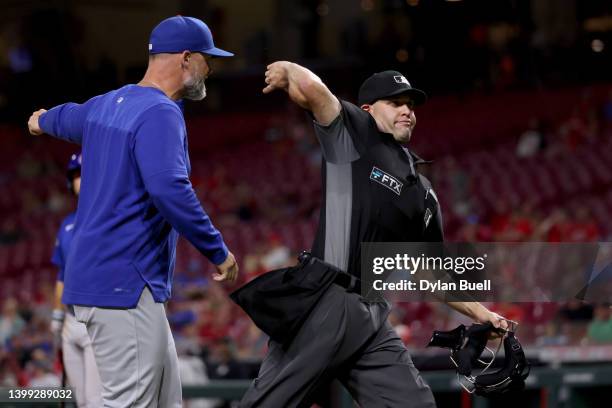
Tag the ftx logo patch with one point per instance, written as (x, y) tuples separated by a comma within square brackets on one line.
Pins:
[(386, 180)]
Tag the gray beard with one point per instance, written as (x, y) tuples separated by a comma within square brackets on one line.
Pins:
[(195, 90)]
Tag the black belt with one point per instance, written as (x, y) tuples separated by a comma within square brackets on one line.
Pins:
[(348, 281)]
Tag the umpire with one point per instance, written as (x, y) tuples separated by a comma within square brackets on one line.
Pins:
[(320, 326), (136, 198)]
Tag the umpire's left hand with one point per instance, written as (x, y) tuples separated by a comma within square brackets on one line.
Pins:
[(499, 322)]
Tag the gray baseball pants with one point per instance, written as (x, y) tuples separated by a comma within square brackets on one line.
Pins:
[(345, 338), (135, 354), (80, 364)]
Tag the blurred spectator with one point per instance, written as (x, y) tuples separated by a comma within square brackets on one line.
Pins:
[(583, 228), (252, 265), (554, 227), (574, 131), (576, 311), (515, 226), (500, 218), (40, 371), (246, 206), (551, 335), (575, 332), (10, 233), (9, 369), (277, 256), (469, 232), (522, 224), (222, 362), (214, 315), (559, 227), (251, 343), (10, 321), (600, 329), (532, 141), (57, 203), (192, 368)]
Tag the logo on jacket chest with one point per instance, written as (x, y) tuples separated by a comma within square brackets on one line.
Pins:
[(386, 180)]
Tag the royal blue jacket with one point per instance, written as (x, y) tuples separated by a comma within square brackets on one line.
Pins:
[(135, 196)]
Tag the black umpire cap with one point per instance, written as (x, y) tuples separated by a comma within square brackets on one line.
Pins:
[(386, 84)]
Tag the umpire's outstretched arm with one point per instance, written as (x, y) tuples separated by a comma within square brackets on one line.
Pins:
[(304, 88)]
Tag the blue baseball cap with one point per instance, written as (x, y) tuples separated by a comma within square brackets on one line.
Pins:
[(178, 34)]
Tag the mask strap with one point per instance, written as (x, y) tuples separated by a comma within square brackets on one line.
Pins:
[(493, 355), (467, 383)]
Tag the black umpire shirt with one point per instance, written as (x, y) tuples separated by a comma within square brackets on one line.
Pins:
[(372, 191)]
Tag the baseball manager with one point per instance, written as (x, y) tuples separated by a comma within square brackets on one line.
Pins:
[(136, 199)]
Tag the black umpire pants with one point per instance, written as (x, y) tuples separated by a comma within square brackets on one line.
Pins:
[(345, 338)]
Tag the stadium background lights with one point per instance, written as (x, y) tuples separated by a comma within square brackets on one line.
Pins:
[(597, 45), (402, 55)]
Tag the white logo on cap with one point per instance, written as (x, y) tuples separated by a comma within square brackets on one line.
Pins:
[(150, 46), (401, 79)]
